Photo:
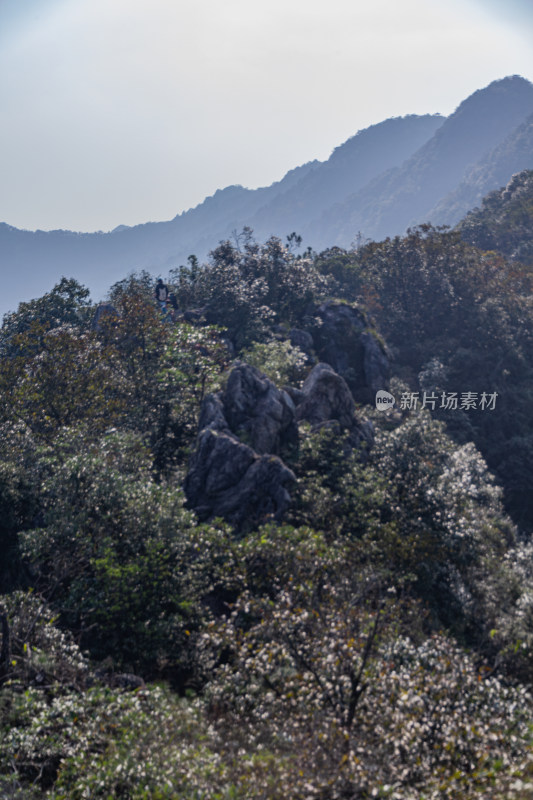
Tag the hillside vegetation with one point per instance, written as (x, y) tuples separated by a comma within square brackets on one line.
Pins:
[(359, 622), (505, 220)]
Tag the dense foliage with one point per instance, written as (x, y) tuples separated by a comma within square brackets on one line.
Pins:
[(456, 320), (377, 642), (504, 221), (248, 287)]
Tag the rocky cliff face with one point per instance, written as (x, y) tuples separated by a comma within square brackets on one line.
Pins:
[(342, 339), (326, 400), (236, 471)]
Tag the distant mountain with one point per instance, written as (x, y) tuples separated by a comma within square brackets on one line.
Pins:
[(385, 178), (350, 167), (494, 170), (505, 220), (32, 261), (403, 197)]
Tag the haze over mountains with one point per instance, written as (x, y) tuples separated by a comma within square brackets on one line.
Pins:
[(390, 176)]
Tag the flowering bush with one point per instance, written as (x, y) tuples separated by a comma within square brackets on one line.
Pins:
[(358, 709)]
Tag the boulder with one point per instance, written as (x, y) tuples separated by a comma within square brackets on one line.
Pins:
[(342, 339), (219, 463), (326, 396), (327, 400), (258, 412), (105, 315), (126, 681), (376, 364), (301, 339), (194, 316), (228, 479), (235, 472)]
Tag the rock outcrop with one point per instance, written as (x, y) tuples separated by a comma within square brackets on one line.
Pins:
[(243, 481), (228, 479), (258, 412), (326, 399), (301, 339), (376, 364), (105, 315), (236, 471), (343, 340), (326, 396)]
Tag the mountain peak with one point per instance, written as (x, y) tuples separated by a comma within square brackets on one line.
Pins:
[(388, 132), (509, 95)]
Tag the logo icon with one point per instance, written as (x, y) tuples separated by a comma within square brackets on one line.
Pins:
[(384, 400)]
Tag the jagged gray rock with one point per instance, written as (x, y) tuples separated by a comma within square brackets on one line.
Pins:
[(243, 481), (326, 396), (212, 414), (343, 340), (327, 400), (257, 411), (227, 479)]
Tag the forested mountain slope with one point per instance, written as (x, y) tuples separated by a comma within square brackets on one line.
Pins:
[(350, 167), (407, 196), (504, 222), (513, 155), (226, 572)]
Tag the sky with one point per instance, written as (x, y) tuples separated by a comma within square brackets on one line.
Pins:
[(127, 111)]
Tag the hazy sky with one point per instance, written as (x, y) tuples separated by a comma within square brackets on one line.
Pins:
[(124, 111)]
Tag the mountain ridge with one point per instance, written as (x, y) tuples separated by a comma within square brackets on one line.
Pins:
[(399, 199), (385, 178)]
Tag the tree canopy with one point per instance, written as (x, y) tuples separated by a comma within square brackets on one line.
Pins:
[(374, 640)]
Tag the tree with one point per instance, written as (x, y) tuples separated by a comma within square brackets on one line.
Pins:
[(436, 298), (247, 287), (115, 556), (66, 304)]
